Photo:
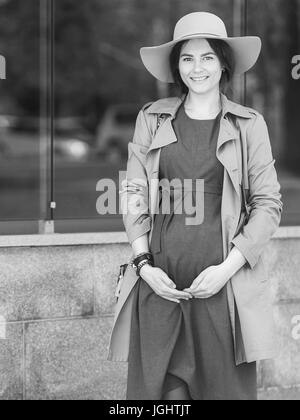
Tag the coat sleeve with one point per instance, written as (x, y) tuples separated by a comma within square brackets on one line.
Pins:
[(264, 199), (134, 193)]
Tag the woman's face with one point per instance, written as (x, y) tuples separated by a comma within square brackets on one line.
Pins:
[(199, 66)]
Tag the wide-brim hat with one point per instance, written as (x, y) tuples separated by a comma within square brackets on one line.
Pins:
[(246, 49)]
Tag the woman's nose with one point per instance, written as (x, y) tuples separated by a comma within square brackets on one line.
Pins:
[(198, 65)]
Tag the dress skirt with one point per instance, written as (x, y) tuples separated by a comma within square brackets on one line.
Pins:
[(188, 343)]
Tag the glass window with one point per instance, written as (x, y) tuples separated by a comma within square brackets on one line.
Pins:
[(23, 153), (273, 88), (100, 86), (72, 83)]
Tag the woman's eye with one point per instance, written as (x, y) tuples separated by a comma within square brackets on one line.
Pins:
[(207, 58)]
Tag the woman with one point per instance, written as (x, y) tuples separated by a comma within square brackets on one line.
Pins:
[(200, 314)]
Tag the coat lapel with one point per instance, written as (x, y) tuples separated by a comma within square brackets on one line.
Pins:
[(226, 152), (165, 135)]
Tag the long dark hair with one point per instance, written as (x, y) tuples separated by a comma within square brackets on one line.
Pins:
[(223, 52)]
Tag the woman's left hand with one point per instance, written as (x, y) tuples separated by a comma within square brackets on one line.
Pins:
[(209, 282)]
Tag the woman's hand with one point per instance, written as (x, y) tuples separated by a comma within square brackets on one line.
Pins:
[(210, 281), (162, 285)]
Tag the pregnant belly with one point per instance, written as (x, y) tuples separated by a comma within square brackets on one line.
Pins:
[(183, 251)]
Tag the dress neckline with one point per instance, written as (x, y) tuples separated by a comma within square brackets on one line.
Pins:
[(197, 119)]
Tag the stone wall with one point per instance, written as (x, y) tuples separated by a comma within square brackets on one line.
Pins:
[(56, 313), (280, 378)]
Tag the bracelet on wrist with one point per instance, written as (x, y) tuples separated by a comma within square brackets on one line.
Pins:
[(141, 264), (141, 257), (142, 253), (142, 261)]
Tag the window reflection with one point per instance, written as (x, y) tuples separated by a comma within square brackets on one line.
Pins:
[(19, 112), (99, 86), (101, 81), (272, 89)]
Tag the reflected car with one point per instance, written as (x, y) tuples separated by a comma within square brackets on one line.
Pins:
[(115, 130), (71, 140)]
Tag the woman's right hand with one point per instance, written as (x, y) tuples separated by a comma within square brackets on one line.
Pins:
[(162, 285)]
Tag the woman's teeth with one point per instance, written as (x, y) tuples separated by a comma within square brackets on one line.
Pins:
[(199, 79)]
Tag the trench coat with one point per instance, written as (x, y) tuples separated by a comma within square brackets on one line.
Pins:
[(249, 292)]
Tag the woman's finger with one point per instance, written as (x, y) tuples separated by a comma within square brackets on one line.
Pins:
[(175, 292), (204, 292), (178, 294), (170, 299), (197, 282), (203, 295), (192, 288)]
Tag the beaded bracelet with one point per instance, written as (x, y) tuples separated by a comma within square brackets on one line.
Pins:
[(141, 264), (141, 257)]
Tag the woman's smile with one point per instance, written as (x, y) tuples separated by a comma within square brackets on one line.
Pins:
[(199, 79)]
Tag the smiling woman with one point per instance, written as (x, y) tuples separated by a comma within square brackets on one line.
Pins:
[(200, 314)]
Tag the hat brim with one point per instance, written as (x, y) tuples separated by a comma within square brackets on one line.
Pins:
[(246, 51)]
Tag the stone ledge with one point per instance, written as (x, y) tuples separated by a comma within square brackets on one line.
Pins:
[(63, 239), (279, 393), (287, 232), (66, 239)]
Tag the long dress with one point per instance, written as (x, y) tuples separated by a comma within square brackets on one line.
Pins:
[(190, 342)]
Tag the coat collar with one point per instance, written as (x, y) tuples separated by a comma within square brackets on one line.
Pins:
[(171, 106), (166, 133)]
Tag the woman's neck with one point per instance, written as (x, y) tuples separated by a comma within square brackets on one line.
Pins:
[(203, 106)]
